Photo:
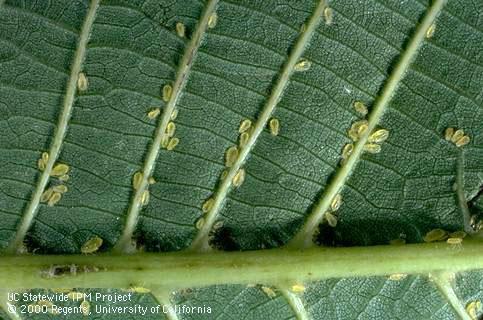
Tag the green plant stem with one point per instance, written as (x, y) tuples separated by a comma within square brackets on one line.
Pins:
[(183, 270)]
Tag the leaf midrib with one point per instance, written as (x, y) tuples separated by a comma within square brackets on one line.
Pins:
[(182, 74), (304, 237), (60, 132)]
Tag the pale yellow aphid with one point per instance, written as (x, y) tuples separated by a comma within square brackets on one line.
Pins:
[(379, 136), (269, 292), (302, 65), (92, 245), (145, 197), (347, 150), (457, 234), (353, 135), (64, 177), (59, 170), (82, 82), (140, 290), (200, 223), (41, 164), (174, 114), (430, 31), (60, 188), (137, 178), (463, 141), (46, 195), (435, 235), (85, 307), (218, 225), (448, 133), (167, 91), (231, 155), (274, 125), (173, 142), (361, 129), (372, 148), (397, 242), (457, 135), (207, 205), (297, 288), (170, 129), (397, 276), (473, 308), (212, 20), (336, 202), (244, 139), (454, 240), (239, 178), (328, 16), (303, 27), (360, 107), (76, 296), (164, 141), (357, 128), (180, 29), (331, 219), (54, 198), (151, 180), (154, 113), (245, 125), (45, 157)]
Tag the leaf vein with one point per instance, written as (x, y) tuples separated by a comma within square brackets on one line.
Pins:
[(201, 239), (60, 131), (304, 236), (150, 160)]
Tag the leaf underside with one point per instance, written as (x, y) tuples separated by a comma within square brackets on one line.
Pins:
[(133, 51)]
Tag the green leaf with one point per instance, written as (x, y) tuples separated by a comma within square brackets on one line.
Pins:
[(246, 66)]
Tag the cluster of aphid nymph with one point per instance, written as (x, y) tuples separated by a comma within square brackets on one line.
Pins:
[(358, 129), (456, 136), (53, 194), (436, 235), (136, 184), (331, 216)]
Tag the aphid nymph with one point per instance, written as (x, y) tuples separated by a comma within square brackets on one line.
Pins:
[(92, 245), (336, 203), (297, 288), (245, 125), (360, 107), (328, 15), (137, 179), (274, 125), (212, 20), (59, 170), (435, 235), (82, 82), (430, 31), (154, 113), (54, 198), (302, 65), (167, 91), (207, 205), (239, 178), (173, 142), (231, 156), (180, 29)]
